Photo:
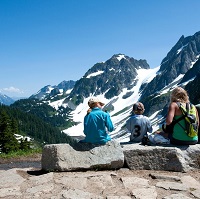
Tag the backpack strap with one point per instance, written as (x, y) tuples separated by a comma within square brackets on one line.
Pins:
[(188, 107), (169, 128), (183, 112)]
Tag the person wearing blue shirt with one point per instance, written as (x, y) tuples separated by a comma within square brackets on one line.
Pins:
[(96, 122)]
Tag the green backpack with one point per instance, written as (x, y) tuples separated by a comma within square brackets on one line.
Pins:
[(191, 121)]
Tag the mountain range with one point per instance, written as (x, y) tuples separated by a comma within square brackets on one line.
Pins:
[(121, 81)]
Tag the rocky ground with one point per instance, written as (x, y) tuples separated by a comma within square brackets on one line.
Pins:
[(23, 178)]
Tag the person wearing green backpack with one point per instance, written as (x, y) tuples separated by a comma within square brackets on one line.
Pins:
[(175, 120)]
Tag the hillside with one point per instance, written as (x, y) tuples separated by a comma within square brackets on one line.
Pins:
[(32, 126)]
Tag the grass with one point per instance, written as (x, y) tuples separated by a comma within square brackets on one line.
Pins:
[(21, 153)]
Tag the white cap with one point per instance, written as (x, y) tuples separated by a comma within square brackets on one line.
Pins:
[(93, 100)]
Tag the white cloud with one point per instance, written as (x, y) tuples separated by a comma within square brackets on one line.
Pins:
[(12, 89)]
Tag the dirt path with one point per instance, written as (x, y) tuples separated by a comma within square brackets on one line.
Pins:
[(33, 161)]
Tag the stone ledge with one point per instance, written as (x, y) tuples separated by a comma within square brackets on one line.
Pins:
[(82, 156), (113, 155), (167, 158)]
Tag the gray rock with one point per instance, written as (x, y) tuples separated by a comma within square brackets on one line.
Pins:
[(177, 196), (164, 177), (167, 158), (171, 186), (118, 197), (10, 183), (39, 189), (190, 182), (130, 182), (76, 193), (145, 193), (11, 178), (196, 193), (12, 191), (82, 156)]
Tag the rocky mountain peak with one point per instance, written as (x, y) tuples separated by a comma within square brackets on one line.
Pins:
[(178, 61), (108, 78)]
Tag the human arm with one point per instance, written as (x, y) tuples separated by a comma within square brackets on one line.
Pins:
[(149, 126), (171, 113), (128, 126), (84, 125), (197, 115), (109, 123)]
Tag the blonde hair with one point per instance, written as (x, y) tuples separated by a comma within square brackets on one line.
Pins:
[(93, 105), (179, 95)]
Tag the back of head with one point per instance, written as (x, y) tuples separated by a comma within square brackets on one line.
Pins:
[(138, 108), (179, 95), (93, 102)]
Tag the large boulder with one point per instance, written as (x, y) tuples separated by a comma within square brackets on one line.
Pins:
[(166, 158), (82, 156)]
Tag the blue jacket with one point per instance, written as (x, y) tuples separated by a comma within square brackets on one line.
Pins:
[(95, 124)]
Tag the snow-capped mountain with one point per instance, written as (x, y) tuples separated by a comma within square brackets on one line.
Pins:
[(108, 78), (51, 91), (123, 80), (178, 61), (4, 99)]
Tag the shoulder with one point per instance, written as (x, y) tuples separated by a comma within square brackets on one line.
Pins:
[(99, 111), (95, 110), (137, 117), (174, 104), (145, 117)]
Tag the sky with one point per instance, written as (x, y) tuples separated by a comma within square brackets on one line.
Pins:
[(44, 42)]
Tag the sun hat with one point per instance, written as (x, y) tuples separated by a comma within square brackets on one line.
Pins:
[(93, 100)]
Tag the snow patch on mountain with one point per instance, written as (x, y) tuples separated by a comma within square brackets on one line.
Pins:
[(171, 85), (197, 57), (119, 57), (95, 74), (68, 91), (180, 49), (57, 104)]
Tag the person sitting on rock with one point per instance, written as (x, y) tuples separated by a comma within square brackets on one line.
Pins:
[(176, 132), (138, 125), (96, 122)]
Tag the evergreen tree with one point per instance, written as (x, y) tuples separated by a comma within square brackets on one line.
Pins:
[(25, 144), (8, 142), (14, 126)]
